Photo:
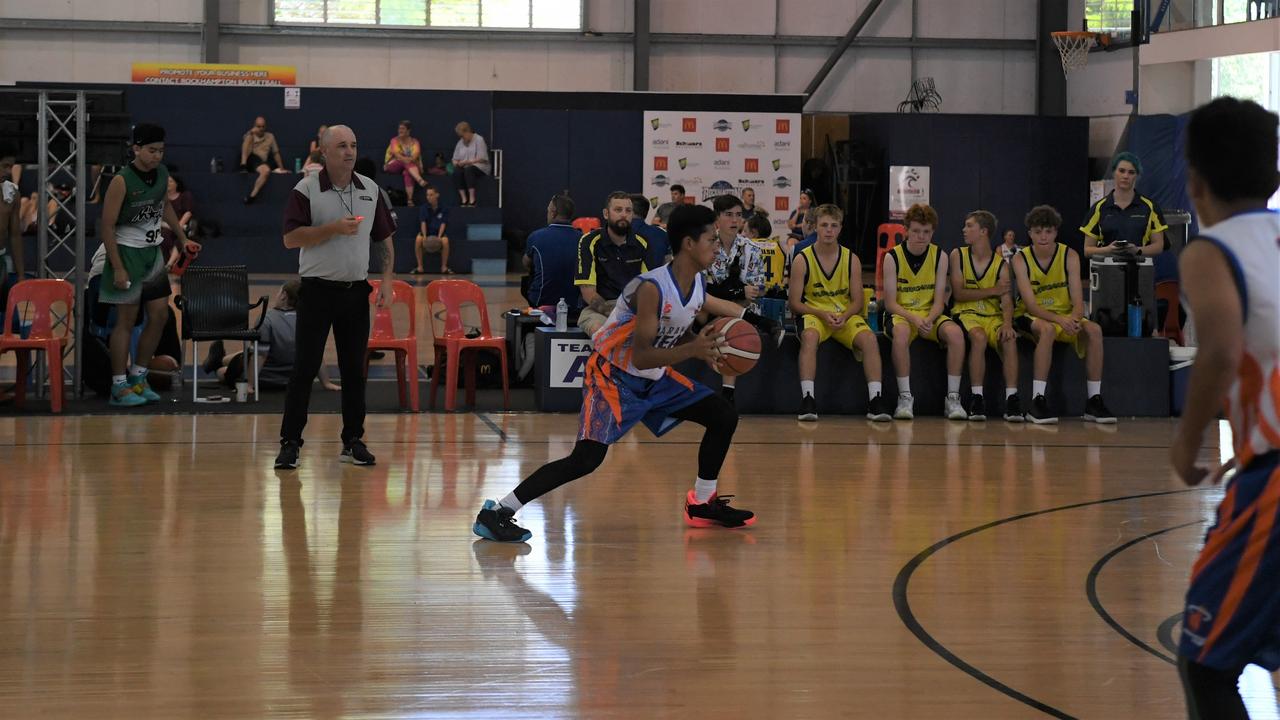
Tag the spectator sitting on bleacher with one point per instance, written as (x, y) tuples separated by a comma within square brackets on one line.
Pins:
[(549, 257), (258, 152), (659, 248), (184, 205), (663, 214), (608, 259), (314, 164), (432, 221), (276, 349), (404, 156), (314, 147), (438, 166), (470, 163), (798, 220)]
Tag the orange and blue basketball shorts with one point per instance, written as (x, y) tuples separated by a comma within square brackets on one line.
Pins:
[(614, 401), (1232, 614)]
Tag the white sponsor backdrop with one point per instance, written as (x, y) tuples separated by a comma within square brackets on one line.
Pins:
[(712, 153)]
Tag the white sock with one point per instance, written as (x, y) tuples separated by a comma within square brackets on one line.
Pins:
[(976, 389), (1095, 387), (806, 387), (136, 370), (1038, 387), (953, 384), (873, 389), (904, 385), (703, 489), (727, 383), (118, 379), (511, 501), (1010, 392)]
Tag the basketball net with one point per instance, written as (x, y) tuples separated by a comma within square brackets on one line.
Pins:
[(1074, 48)]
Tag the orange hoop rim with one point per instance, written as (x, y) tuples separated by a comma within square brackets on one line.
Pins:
[(1100, 38)]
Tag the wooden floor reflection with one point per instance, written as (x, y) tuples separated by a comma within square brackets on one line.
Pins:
[(157, 567)]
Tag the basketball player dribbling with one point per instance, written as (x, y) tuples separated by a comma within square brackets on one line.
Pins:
[(1231, 279), (629, 380)]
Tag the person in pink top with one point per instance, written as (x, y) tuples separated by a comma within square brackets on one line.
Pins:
[(404, 156)]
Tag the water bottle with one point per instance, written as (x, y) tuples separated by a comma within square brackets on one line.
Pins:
[(1135, 318), (873, 315), (297, 165), (562, 316), (213, 164)]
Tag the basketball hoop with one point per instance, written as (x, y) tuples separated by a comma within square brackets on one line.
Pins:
[(1074, 47)]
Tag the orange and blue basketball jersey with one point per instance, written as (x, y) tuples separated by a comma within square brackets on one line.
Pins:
[(616, 395), (1233, 604)]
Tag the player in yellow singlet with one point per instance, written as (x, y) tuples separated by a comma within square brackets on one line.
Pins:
[(1048, 276), (773, 257), (826, 295), (981, 284), (915, 293)]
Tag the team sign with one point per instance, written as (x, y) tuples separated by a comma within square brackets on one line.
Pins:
[(213, 74), (712, 154)]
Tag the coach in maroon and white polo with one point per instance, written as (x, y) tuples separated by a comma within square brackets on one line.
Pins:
[(335, 217)]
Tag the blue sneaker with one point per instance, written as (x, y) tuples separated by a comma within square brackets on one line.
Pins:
[(123, 395), (142, 388), (497, 523)]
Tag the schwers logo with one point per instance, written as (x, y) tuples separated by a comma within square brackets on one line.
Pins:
[(689, 124), (782, 127), (689, 143), (782, 203), (722, 125), (751, 165), (660, 163), (750, 181), (722, 144)]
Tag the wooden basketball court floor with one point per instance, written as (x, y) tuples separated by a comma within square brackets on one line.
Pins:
[(160, 568)]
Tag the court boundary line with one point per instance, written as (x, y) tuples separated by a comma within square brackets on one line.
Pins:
[(902, 604), (1091, 590)]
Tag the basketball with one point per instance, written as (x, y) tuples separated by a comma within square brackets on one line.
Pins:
[(741, 347)]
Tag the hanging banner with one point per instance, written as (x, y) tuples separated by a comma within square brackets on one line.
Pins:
[(908, 185), (712, 153), (213, 74)]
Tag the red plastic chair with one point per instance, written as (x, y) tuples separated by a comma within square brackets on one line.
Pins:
[(42, 296), (888, 235), (1169, 292), (451, 343), (383, 337), (587, 224)]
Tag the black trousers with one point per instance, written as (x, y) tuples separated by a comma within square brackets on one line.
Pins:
[(343, 306), (467, 178)]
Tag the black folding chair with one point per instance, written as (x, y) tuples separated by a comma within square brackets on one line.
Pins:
[(214, 307)]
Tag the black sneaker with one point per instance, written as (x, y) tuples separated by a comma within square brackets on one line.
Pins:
[(497, 523), (876, 411), (715, 513), (213, 360), (1096, 411), (1013, 409), (1039, 413), (356, 453), (726, 392), (288, 457), (808, 409), (249, 199), (977, 408)]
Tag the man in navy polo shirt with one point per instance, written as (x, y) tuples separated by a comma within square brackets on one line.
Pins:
[(550, 256), (659, 247), (432, 219)]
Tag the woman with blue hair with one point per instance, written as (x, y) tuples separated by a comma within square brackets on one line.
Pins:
[(1125, 222)]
